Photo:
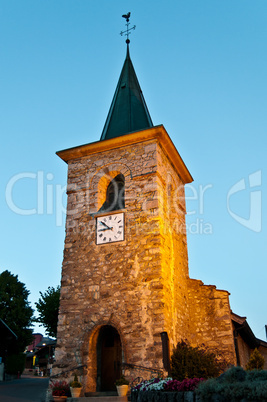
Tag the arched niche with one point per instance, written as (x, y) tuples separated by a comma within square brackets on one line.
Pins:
[(115, 194)]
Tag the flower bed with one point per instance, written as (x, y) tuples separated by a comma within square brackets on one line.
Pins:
[(234, 385), (162, 396), (165, 390), (189, 384), (168, 384)]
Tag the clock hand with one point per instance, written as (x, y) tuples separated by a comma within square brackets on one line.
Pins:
[(107, 228), (103, 223)]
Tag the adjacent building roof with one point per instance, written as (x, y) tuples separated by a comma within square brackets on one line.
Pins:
[(242, 327), (128, 111)]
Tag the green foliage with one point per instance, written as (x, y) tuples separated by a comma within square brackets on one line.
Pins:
[(256, 361), (75, 383), (15, 311), (122, 381), (194, 362), (15, 363), (234, 374), (257, 375), (234, 385), (47, 307)]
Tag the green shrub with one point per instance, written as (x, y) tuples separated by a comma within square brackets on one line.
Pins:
[(75, 383), (256, 361), (257, 375), (208, 388), (233, 374), (259, 391), (121, 381), (194, 362), (234, 385), (15, 363)]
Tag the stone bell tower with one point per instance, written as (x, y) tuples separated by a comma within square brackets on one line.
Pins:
[(125, 276)]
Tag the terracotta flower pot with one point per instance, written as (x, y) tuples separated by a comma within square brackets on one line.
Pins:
[(59, 398), (75, 392), (122, 390)]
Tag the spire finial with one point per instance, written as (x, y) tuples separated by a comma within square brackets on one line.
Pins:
[(127, 31)]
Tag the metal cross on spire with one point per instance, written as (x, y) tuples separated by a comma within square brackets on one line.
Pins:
[(127, 31)]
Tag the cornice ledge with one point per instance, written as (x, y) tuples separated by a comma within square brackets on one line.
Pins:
[(157, 132)]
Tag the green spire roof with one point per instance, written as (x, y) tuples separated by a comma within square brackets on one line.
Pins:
[(128, 111)]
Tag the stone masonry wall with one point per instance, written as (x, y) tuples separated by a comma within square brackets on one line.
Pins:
[(140, 286), (117, 283), (174, 249), (210, 319)]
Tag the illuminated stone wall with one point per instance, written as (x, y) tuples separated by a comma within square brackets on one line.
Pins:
[(174, 249), (120, 283), (210, 319), (141, 285)]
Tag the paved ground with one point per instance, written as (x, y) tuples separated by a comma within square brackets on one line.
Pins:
[(33, 389), (27, 389), (100, 399)]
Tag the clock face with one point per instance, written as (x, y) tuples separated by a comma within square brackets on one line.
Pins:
[(110, 228)]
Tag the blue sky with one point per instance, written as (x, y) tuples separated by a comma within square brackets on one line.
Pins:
[(202, 68)]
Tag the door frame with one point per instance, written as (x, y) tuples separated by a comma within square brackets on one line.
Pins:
[(108, 338)]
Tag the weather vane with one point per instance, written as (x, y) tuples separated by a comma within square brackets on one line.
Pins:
[(127, 32)]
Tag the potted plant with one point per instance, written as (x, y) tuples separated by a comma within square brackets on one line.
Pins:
[(122, 386), (75, 387), (60, 390)]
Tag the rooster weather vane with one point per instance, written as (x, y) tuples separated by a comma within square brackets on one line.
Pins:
[(127, 31)]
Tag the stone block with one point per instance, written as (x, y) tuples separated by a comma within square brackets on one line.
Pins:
[(189, 396)]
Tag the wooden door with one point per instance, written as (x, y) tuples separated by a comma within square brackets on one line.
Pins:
[(111, 357)]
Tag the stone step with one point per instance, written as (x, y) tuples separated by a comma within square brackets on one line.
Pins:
[(102, 393), (99, 398)]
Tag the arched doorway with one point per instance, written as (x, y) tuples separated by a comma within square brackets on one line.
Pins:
[(109, 358)]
